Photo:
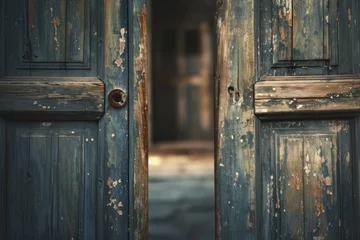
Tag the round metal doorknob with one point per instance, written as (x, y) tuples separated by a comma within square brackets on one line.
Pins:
[(117, 98)]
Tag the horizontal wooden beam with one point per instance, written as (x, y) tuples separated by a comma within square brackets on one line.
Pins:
[(54, 98), (307, 94)]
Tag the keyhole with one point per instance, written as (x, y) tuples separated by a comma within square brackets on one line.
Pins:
[(117, 98)]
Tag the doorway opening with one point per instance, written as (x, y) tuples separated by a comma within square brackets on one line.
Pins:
[(181, 152)]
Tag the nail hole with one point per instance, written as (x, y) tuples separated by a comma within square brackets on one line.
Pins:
[(231, 89)]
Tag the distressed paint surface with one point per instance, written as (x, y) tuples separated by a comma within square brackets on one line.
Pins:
[(235, 151), (52, 168), (307, 94), (70, 39), (2, 180), (2, 131), (307, 168), (70, 98), (282, 30), (52, 35), (310, 35), (114, 127), (307, 180), (300, 37), (139, 119), (57, 30)]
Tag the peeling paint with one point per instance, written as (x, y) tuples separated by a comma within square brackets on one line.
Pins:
[(122, 44), (56, 22), (140, 143), (31, 13)]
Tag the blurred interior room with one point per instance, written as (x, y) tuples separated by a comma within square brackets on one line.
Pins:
[(181, 154)]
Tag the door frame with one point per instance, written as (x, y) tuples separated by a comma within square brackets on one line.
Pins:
[(139, 40)]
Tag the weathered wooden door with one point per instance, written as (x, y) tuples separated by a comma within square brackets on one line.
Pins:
[(70, 159), (288, 147)]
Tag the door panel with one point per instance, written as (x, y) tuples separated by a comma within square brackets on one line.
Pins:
[(52, 166), (307, 179), (302, 37), (67, 167), (53, 35), (287, 128)]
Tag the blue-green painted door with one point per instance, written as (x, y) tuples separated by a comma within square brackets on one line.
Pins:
[(287, 155), (71, 165)]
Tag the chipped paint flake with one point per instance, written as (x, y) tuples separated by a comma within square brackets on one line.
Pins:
[(110, 183), (349, 14), (56, 22), (328, 181)]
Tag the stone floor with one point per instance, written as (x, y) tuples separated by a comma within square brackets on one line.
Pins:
[(181, 192)]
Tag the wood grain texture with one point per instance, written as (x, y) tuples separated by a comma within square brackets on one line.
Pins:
[(309, 32), (235, 122), (57, 30), (65, 98), (50, 176), (52, 35), (299, 37), (113, 145), (139, 118), (282, 30), (356, 174), (2, 131), (2, 180), (307, 165), (309, 94), (2, 39)]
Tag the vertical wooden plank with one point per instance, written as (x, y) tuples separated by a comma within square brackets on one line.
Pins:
[(355, 16), (282, 30), (2, 38), (38, 182), (332, 25), (113, 127), (356, 152), (101, 143), (308, 28), (18, 176), (346, 192), (265, 205), (138, 78), (77, 29), (290, 160), (69, 180), (2, 131), (91, 164), (3, 175), (235, 130), (346, 26), (320, 180)]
